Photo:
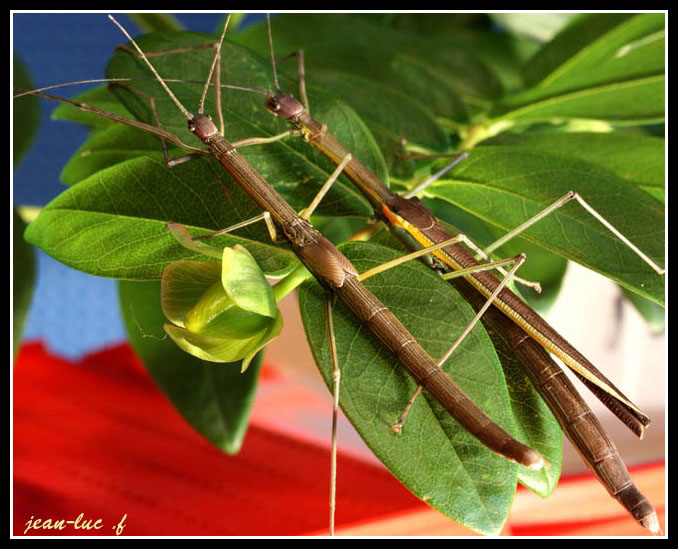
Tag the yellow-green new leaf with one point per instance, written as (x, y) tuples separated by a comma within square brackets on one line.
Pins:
[(220, 312)]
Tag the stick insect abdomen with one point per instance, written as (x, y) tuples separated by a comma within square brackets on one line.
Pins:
[(575, 417), (384, 324), (425, 228)]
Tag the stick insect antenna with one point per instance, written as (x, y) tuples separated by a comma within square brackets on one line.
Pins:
[(217, 58), (245, 88), (270, 45), (183, 109)]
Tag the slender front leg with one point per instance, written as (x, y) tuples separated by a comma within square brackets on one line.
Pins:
[(336, 378), (518, 260)]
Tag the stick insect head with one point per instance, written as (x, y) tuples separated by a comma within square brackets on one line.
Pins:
[(283, 104), (280, 103), (202, 126)]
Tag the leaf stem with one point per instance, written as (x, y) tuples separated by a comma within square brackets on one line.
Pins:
[(290, 282)]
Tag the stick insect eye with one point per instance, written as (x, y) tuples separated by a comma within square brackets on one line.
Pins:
[(273, 104)]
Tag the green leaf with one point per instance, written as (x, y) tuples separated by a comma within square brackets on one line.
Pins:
[(489, 59), (634, 101), (23, 270), (535, 423), (26, 112), (153, 22), (505, 185), (427, 23), (504, 54), (597, 43), (106, 148), (637, 158), (603, 66), (434, 457), (317, 34), (113, 224), (416, 79), (100, 97), (215, 399)]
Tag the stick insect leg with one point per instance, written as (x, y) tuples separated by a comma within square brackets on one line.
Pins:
[(308, 211), (572, 195), (336, 377), (518, 261), (423, 251), (196, 244), (182, 235), (156, 118)]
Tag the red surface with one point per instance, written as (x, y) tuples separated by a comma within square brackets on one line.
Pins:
[(97, 437)]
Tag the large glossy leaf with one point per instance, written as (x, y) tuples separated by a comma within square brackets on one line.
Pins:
[(23, 270), (604, 66), (318, 33), (113, 224), (506, 185), (637, 100), (505, 54), (214, 398), (476, 34), (26, 112), (416, 79), (636, 158), (106, 148), (434, 457), (593, 40)]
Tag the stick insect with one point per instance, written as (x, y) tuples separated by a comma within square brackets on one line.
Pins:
[(380, 197), (264, 198), (412, 222)]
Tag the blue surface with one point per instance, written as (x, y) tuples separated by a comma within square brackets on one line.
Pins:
[(73, 313)]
